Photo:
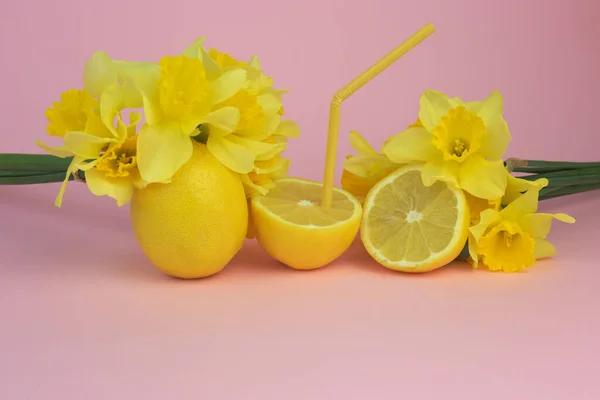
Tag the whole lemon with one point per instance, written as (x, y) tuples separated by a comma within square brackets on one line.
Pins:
[(194, 225)]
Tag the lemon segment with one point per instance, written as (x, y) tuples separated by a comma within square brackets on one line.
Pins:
[(292, 227), (409, 227)]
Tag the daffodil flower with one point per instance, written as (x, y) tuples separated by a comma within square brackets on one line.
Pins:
[(105, 152), (459, 142), (362, 171), (178, 97), (512, 239), (259, 108)]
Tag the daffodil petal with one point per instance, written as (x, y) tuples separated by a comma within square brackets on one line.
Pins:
[(228, 84), (197, 50), (496, 139), (86, 165), (472, 246), (58, 151), (483, 178), (233, 155), (269, 103), (489, 108), (143, 77), (527, 203), (99, 72), (543, 249), (288, 128), (277, 147), (363, 165), (193, 50), (433, 106), (251, 188), (225, 118), (134, 119), (276, 164), (268, 128), (84, 145), (111, 102), (161, 150), (120, 189), (539, 225), (72, 168), (487, 218), (515, 187), (210, 66), (413, 144), (360, 145), (440, 170)]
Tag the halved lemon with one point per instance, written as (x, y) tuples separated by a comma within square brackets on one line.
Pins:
[(292, 226), (409, 227)]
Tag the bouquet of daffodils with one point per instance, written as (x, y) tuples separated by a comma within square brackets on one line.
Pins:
[(134, 123), (462, 144)]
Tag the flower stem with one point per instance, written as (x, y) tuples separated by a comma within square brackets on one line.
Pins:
[(540, 166), (567, 190), (33, 162), (34, 179), (13, 173)]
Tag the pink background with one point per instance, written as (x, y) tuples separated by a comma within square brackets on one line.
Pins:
[(84, 315)]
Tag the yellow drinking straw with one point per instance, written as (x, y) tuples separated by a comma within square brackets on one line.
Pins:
[(346, 91)]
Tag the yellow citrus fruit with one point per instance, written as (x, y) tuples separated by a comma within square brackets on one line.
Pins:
[(292, 227), (193, 226), (409, 227)]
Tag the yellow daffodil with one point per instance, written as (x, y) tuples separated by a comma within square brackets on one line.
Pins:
[(362, 171), (71, 113), (179, 96), (459, 142), (260, 111), (106, 153), (512, 239)]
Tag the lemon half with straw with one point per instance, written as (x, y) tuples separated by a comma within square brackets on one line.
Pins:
[(409, 227), (291, 225)]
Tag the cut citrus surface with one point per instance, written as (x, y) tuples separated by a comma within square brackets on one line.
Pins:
[(293, 227), (409, 227)]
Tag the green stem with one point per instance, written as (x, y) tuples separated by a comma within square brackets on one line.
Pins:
[(33, 162), (34, 179), (569, 180), (539, 166), (7, 174), (567, 190), (565, 173)]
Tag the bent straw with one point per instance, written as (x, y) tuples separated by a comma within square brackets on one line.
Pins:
[(347, 91)]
